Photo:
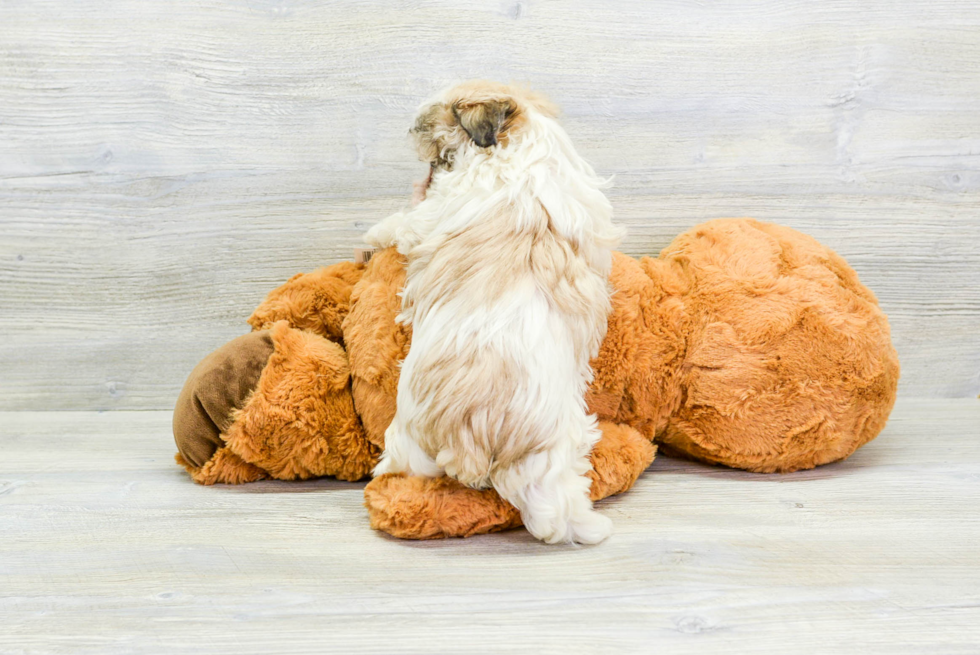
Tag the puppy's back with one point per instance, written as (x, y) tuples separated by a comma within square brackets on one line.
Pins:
[(506, 316)]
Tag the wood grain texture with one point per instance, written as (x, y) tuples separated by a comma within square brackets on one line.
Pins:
[(109, 548), (165, 164)]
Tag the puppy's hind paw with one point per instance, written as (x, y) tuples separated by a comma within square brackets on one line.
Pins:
[(585, 527), (589, 528)]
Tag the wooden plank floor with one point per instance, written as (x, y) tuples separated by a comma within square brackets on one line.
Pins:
[(107, 547)]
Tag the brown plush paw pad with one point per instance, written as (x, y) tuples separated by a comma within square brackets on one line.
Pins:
[(215, 389)]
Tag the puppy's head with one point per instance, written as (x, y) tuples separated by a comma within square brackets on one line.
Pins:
[(487, 114)]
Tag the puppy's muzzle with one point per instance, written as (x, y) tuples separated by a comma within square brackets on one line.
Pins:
[(485, 139)]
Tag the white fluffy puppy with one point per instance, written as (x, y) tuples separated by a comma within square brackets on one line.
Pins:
[(507, 293)]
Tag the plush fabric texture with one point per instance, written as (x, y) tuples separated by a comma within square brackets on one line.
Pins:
[(224, 467), (435, 508), (789, 360), (218, 386), (744, 344), (298, 421), (376, 344), (317, 302)]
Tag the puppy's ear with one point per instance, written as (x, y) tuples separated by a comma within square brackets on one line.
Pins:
[(427, 123), (484, 121)]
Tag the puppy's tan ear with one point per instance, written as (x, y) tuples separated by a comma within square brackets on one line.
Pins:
[(426, 124), (483, 121)]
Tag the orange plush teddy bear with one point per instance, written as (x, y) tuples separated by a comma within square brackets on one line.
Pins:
[(745, 344)]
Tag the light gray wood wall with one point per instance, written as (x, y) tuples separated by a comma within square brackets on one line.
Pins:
[(165, 164)]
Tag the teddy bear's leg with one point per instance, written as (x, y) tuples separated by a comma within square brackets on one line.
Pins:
[(618, 459), (435, 508), (273, 403)]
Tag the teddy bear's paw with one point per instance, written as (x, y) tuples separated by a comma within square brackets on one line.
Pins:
[(215, 391)]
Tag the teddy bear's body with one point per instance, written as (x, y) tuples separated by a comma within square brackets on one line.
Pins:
[(745, 344)]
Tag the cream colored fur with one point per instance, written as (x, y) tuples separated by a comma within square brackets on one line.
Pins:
[(507, 293)]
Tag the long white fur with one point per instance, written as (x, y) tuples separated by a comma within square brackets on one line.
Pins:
[(548, 340)]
